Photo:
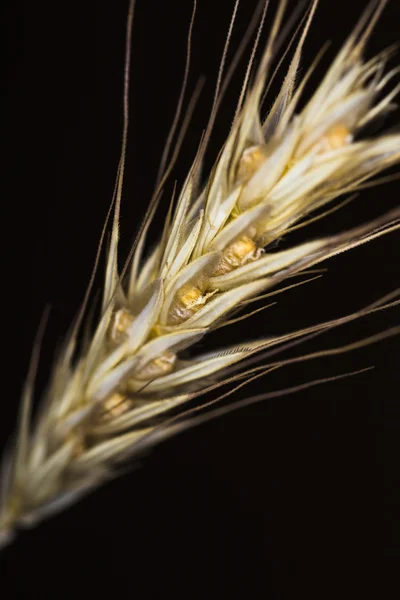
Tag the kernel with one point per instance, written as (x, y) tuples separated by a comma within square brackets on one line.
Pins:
[(250, 161), (188, 303), (163, 365), (80, 444), (336, 137), (237, 254), (120, 324), (117, 404)]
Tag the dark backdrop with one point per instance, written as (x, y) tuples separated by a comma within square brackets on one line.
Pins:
[(290, 498)]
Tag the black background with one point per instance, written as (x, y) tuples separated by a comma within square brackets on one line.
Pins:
[(291, 498)]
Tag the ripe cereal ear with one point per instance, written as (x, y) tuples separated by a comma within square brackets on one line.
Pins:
[(112, 397)]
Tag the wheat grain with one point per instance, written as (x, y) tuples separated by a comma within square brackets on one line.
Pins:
[(113, 398)]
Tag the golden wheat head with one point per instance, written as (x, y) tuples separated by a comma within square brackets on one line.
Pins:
[(111, 397)]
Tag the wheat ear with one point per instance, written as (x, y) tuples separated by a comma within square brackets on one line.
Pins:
[(111, 398)]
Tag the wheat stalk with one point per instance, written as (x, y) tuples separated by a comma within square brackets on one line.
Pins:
[(112, 398)]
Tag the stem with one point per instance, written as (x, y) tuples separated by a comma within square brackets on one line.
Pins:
[(7, 533)]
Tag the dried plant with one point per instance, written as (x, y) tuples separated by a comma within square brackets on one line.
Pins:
[(111, 393)]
